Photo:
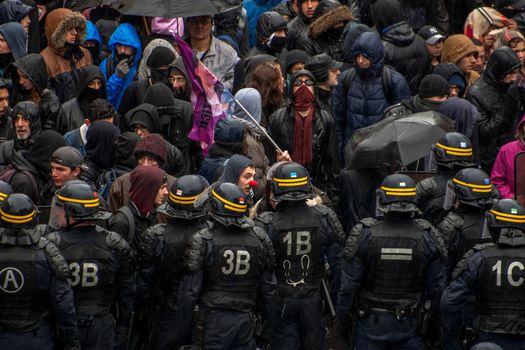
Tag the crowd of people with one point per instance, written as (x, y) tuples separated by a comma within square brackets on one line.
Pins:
[(121, 228)]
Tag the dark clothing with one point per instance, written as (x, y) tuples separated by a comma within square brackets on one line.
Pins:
[(446, 70), (213, 165), (498, 104), (7, 132), (101, 138), (431, 194), (15, 37), (133, 96), (325, 164)]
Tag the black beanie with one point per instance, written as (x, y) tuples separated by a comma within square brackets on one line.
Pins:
[(433, 85), (295, 56), (160, 56)]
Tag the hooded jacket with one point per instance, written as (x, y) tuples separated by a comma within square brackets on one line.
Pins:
[(299, 25), (93, 35), (495, 123), (62, 71), (254, 9), (502, 175), (179, 65), (446, 70), (144, 72), (454, 49), (16, 39), (101, 138), (404, 49), (366, 100), (34, 67), (13, 11), (267, 24), (72, 115), (125, 34), (234, 167), (322, 36)]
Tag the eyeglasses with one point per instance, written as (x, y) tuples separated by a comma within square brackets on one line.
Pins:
[(178, 80), (299, 82)]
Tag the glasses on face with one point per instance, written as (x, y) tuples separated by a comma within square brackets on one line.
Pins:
[(307, 82), (178, 80)]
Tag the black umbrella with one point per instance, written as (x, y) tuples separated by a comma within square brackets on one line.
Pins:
[(174, 8), (396, 141)]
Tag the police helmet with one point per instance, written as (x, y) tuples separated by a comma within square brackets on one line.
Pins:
[(5, 190), (182, 198), (80, 201), (18, 211), (453, 148), (397, 188), (291, 182), (473, 186), (486, 346), (506, 221), (228, 204), (67, 156)]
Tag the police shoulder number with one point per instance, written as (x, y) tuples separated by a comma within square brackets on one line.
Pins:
[(237, 262), (513, 272), (84, 274)]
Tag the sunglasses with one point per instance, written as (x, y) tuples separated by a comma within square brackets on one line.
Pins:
[(299, 82)]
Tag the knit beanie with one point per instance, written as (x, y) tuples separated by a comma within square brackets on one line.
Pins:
[(433, 85), (152, 145), (295, 56), (160, 56), (458, 80)]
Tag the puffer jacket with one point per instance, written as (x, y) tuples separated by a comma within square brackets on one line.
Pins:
[(325, 163), (62, 71), (496, 123), (322, 36), (366, 100), (125, 34)]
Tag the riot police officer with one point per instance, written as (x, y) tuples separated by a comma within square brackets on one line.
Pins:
[(302, 236), (33, 281), (469, 194), (100, 263), (394, 268), (230, 267), (494, 274), (168, 243), (5, 190), (452, 153)]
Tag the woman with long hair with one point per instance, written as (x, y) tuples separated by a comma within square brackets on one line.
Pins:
[(268, 79)]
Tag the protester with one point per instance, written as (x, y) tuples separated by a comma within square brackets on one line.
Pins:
[(13, 40)]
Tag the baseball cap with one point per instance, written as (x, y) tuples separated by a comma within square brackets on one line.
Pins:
[(431, 34)]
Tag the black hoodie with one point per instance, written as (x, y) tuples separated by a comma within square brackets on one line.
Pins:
[(145, 115), (74, 111), (186, 93), (34, 67), (101, 138)]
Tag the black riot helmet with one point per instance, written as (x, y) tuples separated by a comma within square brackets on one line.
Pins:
[(290, 182), (452, 149), (5, 190), (506, 222), (228, 204), (18, 211), (183, 196), (397, 194), (76, 199), (472, 186)]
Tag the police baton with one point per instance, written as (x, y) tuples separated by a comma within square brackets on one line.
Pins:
[(328, 298)]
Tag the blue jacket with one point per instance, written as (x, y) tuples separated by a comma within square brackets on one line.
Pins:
[(92, 34), (255, 8), (366, 101), (125, 34)]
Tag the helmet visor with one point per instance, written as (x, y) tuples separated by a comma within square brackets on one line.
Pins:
[(57, 215), (450, 196)]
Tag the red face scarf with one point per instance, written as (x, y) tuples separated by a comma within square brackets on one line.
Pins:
[(303, 101)]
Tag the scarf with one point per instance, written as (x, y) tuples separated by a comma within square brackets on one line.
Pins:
[(303, 101)]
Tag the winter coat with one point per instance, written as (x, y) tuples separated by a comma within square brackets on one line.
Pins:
[(254, 8), (366, 100), (144, 72), (496, 127), (133, 96), (34, 67), (322, 37), (325, 163), (62, 72), (454, 49), (446, 70), (72, 116), (502, 175), (16, 39), (93, 35), (13, 11), (125, 34)]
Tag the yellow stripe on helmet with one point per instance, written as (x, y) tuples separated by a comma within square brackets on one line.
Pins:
[(388, 193), (410, 189), (79, 201), (293, 184), (510, 216), (300, 179), (455, 151), (479, 187), (225, 201), (17, 217)]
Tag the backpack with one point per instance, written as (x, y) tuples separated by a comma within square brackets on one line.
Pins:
[(131, 220), (105, 181), (7, 174), (386, 79)]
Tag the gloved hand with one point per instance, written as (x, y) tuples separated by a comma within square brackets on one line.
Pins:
[(122, 69)]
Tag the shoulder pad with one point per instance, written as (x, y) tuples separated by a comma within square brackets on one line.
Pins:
[(436, 235), (193, 257), (115, 241), (369, 222), (260, 233), (352, 241), (53, 237), (265, 218), (426, 185), (58, 264), (449, 224), (333, 221), (157, 230), (321, 209), (462, 264)]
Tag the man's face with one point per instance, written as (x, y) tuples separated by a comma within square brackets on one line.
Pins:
[(308, 7), (178, 81), (25, 22), (519, 49), (467, 63), (480, 60), (332, 77), (71, 35), (436, 49), (61, 174), (246, 176), (140, 130), (161, 195), (303, 80), (296, 67), (95, 84), (4, 103), (454, 90), (362, 61), (4, 48), (200, 27), (22, 127), (148, 161), (24, 80), (124, 49)]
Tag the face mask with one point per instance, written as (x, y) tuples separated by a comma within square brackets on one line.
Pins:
[(73, 51), (92, 94), (277, 43), (123, 56), (94, 52)]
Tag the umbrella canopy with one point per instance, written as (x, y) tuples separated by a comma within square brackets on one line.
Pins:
[(166, 8), (396, 141)]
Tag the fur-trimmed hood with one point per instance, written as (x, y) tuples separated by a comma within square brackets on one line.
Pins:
[(58, 22), (329, 19)]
